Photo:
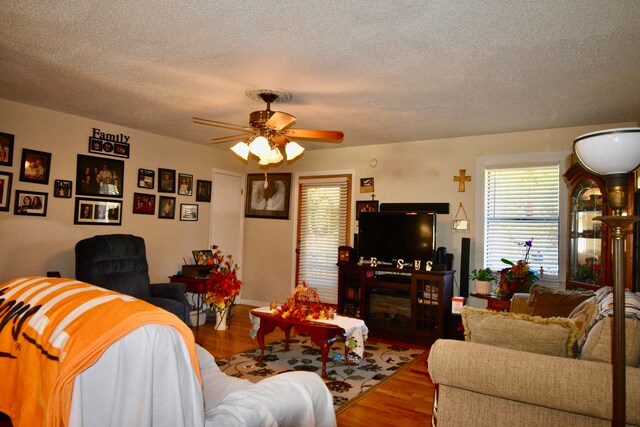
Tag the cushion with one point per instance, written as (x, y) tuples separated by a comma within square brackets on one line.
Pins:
[(583, 315), (546, 302), (552, 336)]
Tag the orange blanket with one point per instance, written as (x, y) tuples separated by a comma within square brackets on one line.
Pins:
[(53, 329)]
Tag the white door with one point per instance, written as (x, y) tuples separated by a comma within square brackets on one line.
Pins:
[(226, 213)]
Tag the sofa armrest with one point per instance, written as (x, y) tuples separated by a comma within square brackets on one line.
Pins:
[(520, 303), (173, 291), (570, 385)]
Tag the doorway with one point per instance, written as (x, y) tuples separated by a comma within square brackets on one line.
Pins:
[(227, 203)]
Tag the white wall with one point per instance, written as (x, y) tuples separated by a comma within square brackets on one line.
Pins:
[(34, 245)]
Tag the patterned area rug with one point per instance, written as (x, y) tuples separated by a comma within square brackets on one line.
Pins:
[(345, 382)]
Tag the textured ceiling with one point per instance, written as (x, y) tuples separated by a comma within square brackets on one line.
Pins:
[(380, 71)]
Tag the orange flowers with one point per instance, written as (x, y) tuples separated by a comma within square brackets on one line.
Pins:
[(223, 282)]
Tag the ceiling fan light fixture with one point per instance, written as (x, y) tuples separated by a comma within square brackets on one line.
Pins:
[(260, 147), (275, 156), (293, 150), (241, 149)]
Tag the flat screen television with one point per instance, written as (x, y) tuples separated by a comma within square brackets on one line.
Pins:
[(390, 236)]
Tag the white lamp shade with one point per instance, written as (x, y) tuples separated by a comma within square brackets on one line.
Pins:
[(260, 147), (607, 152), (293, 150), (241, 149), (275, 156), (264, 160)]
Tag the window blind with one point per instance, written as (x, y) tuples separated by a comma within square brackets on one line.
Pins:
[(523, 204), (323, 225)]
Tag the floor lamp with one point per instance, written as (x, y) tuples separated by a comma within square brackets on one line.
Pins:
[(614, 153)]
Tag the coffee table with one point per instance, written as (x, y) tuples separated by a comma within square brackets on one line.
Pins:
[(322, 334)]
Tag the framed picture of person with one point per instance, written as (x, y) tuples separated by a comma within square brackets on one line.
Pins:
[(167, 207), (98, 211), (6, 149), (268, 195), (203, 191), (185, 187), (30, 203), (144, 203), (166, 181), (35, 166), (5, 190), (62, 188), (98, 176), (188, 212), (146, 178), (203, 257)]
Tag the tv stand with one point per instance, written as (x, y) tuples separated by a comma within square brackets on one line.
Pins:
[(399, 304)]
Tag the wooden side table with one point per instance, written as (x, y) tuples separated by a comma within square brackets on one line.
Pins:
[(494, 302), (194, 286)]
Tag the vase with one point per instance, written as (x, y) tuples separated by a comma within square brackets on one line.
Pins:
[(483, 287), (221, 320)]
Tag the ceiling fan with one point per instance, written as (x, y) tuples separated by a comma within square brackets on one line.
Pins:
[(269, 132)]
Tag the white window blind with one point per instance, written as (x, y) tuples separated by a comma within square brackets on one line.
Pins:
[(323, 225), (523, 204)]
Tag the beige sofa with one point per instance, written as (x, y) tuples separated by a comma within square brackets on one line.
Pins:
[(481, 384)]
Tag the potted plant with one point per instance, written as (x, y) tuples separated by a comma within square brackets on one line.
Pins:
[(483, 278)]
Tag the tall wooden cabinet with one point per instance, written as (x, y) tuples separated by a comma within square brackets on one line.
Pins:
[(399, 304), (589, 241)]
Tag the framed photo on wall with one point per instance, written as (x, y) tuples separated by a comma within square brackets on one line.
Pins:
[(366, 185), (30, 203), (5, 190), (146, 178), (167, 207), (98, 211), (166, 181), (185, 187), (6, 149), (270, 202), (62, 188), (98, 176), (203, 191), (35, 166), (144, 203), (366, 206), (188, 212)]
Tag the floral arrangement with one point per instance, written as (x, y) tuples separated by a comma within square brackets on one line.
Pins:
[(519, 277), (223, 282), (304, 304)]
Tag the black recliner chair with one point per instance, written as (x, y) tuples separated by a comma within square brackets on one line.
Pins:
[(119, 262)]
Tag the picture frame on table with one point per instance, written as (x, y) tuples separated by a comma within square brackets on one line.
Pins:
[(167, 207), (166, 180), (6, 179), (35, 166), (271, 202), (185, 184), (146, 179), (144, 204), (97, 211), (202, 257), (188, 212), (99, 176), (203, 191), (62, 188), (32, 203), (366, 206), (6, 149)]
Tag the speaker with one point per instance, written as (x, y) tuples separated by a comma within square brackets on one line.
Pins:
[(441, 255), (464, 267)]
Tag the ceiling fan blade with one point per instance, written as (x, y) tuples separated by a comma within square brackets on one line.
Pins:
[(280, 120), (323, 135), (221, 124), (279, 139), (240, 136)]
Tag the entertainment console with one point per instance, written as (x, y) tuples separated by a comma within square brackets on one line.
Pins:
[(403, 305)]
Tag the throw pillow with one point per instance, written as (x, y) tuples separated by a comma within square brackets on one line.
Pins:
[(552, 336), (583, 315), (546, 302)]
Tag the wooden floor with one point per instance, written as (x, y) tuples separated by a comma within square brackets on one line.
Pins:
[(405, 400)]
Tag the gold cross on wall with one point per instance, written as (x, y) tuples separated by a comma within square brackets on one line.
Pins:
[(461, 180)]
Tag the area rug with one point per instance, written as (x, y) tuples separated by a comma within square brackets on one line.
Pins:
[(346, 382)]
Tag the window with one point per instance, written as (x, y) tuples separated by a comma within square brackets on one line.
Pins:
[(323, 225), (520, 204)]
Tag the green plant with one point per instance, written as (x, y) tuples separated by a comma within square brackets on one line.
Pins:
[(483, 275)]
